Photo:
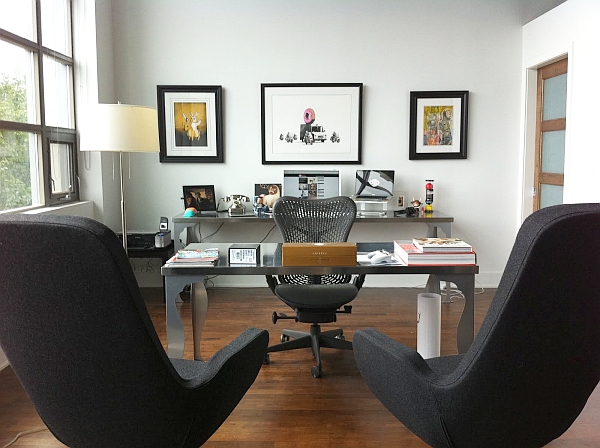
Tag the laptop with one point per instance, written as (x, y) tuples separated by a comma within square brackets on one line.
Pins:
[(374, 184)]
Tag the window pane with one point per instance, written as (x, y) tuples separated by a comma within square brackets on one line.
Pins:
[(17, 84), (58, 93), (553, 152), (555, 97), (19, 170), (18, 17), (56, 25), (60, 168), (551, 195)]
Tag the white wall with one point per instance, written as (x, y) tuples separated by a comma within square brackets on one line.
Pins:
[(570, 29), (391, 47)]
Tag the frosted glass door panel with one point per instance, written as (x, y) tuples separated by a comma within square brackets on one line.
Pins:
[(553, 152), (551, 195), (555, 97)]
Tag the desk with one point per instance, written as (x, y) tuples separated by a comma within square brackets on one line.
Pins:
[(434, 221), (176, 277)]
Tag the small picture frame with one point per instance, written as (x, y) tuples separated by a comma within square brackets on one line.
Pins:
[(190, 123), (200, 197), (265, 196), (438, 125)]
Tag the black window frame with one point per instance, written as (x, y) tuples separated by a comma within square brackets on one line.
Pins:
[(48, 134)]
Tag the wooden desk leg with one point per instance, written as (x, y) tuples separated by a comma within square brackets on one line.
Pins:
[(199, 299), (174, 284)]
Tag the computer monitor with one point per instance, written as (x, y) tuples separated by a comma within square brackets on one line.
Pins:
[(374, 184), (311, 184)]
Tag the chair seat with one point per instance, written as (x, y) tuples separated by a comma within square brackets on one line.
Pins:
[(316, 296)]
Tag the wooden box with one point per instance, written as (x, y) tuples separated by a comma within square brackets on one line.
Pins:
[(318, 254)]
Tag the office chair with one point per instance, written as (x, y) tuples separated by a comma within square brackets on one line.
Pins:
[(316, 299), (534, 362), (76, 332)]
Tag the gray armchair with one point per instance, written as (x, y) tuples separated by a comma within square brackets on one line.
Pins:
[(76, 331), (316, 299), (534, 362)]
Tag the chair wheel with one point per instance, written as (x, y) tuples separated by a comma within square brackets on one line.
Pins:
[(267, 359), (274, 317), (316, 371), (341, 337), (284, 338)]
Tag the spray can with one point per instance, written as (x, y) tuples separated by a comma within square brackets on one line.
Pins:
[(429, 196)]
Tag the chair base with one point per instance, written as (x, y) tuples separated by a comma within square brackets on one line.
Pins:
[(315, 340)]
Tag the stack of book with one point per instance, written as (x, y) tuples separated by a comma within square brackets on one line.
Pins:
[(435, 251), (195, 256)]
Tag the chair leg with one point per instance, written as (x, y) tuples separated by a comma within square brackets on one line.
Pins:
[(315, 333), (294, 333)]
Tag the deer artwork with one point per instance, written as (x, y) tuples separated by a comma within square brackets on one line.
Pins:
[(191, 125)]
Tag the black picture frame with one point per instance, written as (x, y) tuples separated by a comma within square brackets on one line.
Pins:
[(318, 123), (190, 123), (438, 125), (200, 197)]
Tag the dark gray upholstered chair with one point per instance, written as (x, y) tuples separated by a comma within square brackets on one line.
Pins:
[(316, 299), (76, 331), (534, 362)]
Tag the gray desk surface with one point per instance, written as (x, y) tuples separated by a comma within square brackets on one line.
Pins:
[(434, 221), (176, 277), (224, 217)]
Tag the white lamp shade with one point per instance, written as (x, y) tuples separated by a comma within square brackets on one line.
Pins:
[(121, 128)]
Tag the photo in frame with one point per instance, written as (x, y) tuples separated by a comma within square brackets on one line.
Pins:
[(190, 123), (265, 196), (311, 123), (199, 197), (438, 125)]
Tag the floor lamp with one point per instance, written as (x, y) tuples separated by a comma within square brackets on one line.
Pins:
[(122, 128)]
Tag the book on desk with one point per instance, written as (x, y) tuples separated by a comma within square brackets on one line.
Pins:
[(203, 257), (409, 254)]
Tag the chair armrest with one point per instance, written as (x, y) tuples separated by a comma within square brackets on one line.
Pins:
[(248, 350), (401, 379)]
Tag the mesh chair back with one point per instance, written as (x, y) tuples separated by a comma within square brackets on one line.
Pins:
[(314, 221)]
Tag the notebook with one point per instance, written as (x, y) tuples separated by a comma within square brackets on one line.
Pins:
[(374, 184)]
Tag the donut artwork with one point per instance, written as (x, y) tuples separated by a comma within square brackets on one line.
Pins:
[(309, 116)]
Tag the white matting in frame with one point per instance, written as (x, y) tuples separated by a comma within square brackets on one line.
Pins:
[(311, 123), (190, 123)]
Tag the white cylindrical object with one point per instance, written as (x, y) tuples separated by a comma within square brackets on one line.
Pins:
[(429, 324)]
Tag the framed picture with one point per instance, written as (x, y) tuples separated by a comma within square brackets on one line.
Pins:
[(190, 123), (438, 125), (311, 123), (200, 197), (265, 196)]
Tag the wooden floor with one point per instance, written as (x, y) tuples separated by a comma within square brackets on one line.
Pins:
[(286, 407)]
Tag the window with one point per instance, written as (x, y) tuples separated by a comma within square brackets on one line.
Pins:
[(38, 146), (550, 134)]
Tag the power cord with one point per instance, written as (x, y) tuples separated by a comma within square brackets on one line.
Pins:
[(24, 433), (268, 233)]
